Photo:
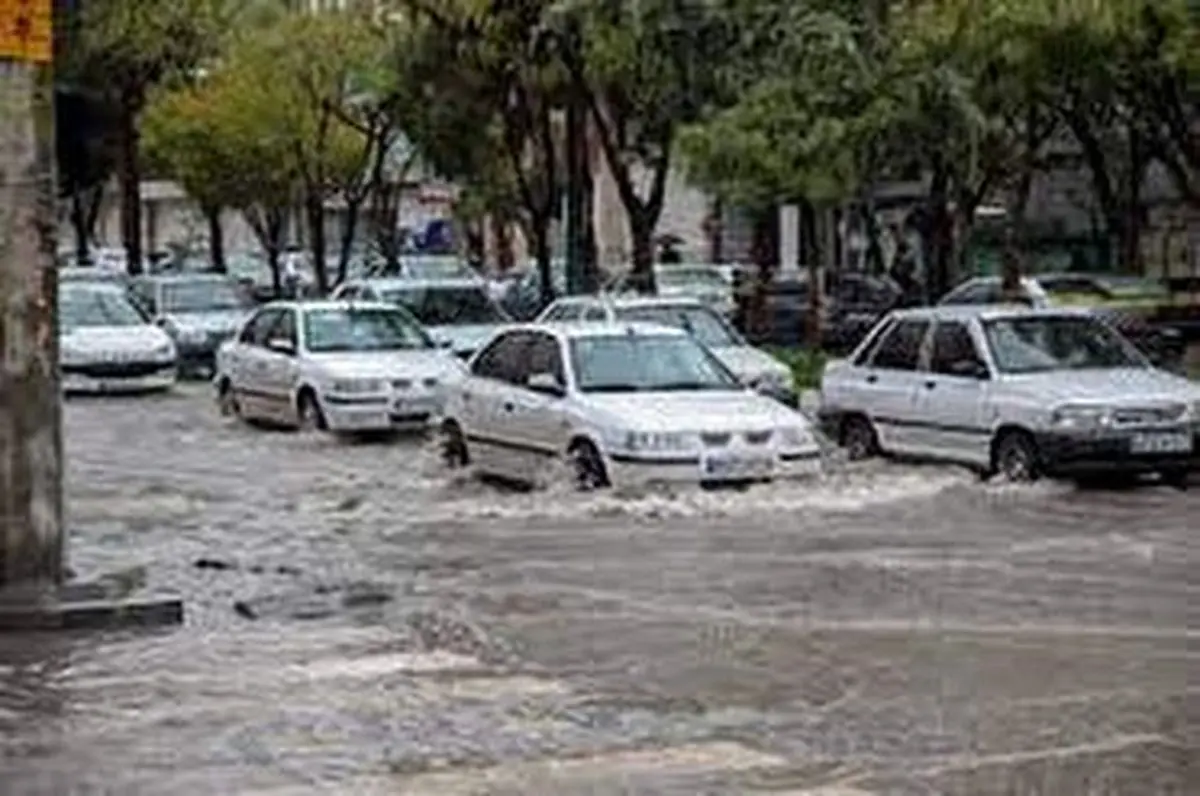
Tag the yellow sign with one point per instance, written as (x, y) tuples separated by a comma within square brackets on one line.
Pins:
[(26, 30)]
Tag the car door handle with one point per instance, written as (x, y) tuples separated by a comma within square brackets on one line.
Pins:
[(509, 406), (929, 385), (466, 396), (872, 379)]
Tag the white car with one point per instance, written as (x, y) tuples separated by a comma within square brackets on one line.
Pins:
[(337, 366), (753, 367), (625, 403), (1020, 392), (106, 345)]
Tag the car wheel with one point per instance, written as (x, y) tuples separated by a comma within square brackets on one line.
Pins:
[(587, 467), (454, 446), (1177, 478), (859, 438), (1015, 457), (308, 413), (227, 401)]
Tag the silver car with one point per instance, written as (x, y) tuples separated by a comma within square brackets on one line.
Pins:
[(1012, 391), (753, 367), (459, 314), (199, 311)]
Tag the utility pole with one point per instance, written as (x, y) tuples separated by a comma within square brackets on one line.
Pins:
[(31, 532)]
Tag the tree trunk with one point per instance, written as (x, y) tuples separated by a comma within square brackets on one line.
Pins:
[(216, 239), (765, 251), (314, 217), (937, 235), (812, 224), (79, 225), (130, 178), (349, 229), (539, 241), (641, 239)]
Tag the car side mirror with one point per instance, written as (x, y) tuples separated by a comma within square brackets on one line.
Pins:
[(970, 369), (546, 384), (282, 346)]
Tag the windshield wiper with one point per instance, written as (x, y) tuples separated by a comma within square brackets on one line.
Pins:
[(613, 388), (682, 386)]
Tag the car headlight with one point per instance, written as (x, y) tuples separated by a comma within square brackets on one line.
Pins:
[(166, 351), (772, 381), (356, 386), (796, 437), (659, 441), (1081, 418)]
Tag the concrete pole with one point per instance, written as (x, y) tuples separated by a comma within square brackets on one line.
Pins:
[(31, 537)]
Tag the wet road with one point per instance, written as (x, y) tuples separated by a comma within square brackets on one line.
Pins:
[(360, 622)]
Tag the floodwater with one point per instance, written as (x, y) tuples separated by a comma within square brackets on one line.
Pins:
[(360, 622)]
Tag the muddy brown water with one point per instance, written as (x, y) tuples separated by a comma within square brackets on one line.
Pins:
[(359, 621)]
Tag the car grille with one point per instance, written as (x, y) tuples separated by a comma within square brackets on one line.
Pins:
[(116, 370), (716, 439), (758, 437), (408, 384), (1149, 415)]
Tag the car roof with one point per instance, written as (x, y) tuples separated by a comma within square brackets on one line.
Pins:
[(619, 301), (601, 329), (193, 276), (410, 283), (309, 305), (97, 286), (966, 312)]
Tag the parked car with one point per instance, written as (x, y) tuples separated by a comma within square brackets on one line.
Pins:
[(1010, 390), (343, 367), (425, 267), (1129, 304), (624, 403), (199, 311), (106, 345), (753, 367), (706, 283), (458, 313), (522, 299), (854, 302)]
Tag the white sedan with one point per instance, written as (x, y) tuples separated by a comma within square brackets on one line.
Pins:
[(337, 366), (106, 345), (625, 403)]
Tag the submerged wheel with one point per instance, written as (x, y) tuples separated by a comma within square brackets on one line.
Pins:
[(1015, 457), (587, 467), (859, 438), (227, 402), (454, 451), (308, 413)]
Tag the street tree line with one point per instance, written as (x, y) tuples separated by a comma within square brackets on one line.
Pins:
[(761, 102)]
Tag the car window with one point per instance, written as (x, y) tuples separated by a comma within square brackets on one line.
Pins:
[(975, 293), (901, 349), (349, 292), (1033, 344), (543, 355), (143, 295), (285, 328), (594, 313), (700, 322), (449, 305), (255, 332), (502, 359), (82, 306), (952, 345), (871, 344), (561, 312), (647, 363)]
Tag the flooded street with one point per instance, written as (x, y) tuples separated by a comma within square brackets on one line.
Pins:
[(359, 621)]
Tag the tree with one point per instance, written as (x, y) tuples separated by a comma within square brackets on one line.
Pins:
[(644, 67), (124, 49), (223, 141), (488, 118)]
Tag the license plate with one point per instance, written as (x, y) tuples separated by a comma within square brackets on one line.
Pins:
[(1165, 442), (737, 467), (416, 406)]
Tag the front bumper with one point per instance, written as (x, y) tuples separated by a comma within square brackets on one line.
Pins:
[(376, 414), (1077, 455), (109, 380), (626, 470)]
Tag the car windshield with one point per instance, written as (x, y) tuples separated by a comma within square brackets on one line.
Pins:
[(690, 278), (362, 329), (89, 274), (1036, 344), (448, 306), (646, 363), (700, 322), (205, 295), (80, 308)]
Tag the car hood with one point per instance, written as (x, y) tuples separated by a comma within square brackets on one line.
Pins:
[(110, 341), (463, 339), (1123, 385), (692, 411), (748, 363), (215, 321), (413, 364)]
